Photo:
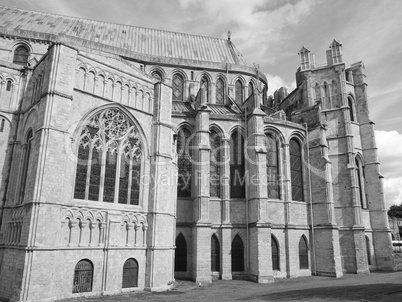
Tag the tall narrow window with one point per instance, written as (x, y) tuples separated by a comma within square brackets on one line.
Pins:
[(303, 253), (215, 164), (275, 253), (204, 83), (250, 88), (180, 260), (25, 166), (351, 109), (317, 91), (368, 250), (296, 170), (220, 92), (130, 273), (239, 92), (8, 86), (237, 254), (184, 163), (3, 121), (237, 179), (109, 142), (177, 87), (360, 183), (83, 276), (272, 147), (21, 55), (215, 254)]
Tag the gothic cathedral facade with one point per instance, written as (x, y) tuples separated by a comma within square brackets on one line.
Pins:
[(131, 157)]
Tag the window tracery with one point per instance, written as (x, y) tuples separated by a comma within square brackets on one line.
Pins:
[(296, 170), (109, 143), (184, 163), (220, 92), (177, 87)]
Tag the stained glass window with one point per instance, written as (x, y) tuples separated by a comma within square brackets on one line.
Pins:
[(180, 259), (204, 82), (130, 273), (177, 87), (272, 147), (109, 142), (21, 55), (215, 164), (215, 254), (275, 254), (237, 254), (239, 92), (83, 277), (296, 170), (184, 163), (220, 92), (237, 179), (303, 253), (250, 88)]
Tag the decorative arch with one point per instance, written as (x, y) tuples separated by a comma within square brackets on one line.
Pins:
[(180, 260), (83, 276), (215, 254), (157, 73), (275, 254), (130, 273), (237, 254), (303, 253)]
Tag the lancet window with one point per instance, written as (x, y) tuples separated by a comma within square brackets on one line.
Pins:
[(177, 87), (250, 88), (272, 147), (109, 159), (204, 82), (239, 92), (215, 164), (296, 170), (237, 179), (184, 163), (220, 92)]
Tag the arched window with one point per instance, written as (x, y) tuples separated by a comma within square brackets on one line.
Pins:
[(303, 253), (184, 163), (237, 179), (296, 170), (8, 86), (110, 142), (83, 276), (220, 92), (360, 182), (25, 166), (177, 87), (180, 260), (204, 82), (237, 254), (352, 109), (157, 76), (130, 273), (368, 250), (215, 254), (3, 121), (327, 104), (317, 91), (272, 147), (250, 88), (239, 92), (215, 164), (275, 254), (21, 55)]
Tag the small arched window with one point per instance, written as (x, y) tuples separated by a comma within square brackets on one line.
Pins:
[(360, 179), (21, 55), (237, 254), (205, 83), (296, 170), (275, 254), (130, 273), (250, 88), (303, 253), (237, 179), (215, 254), (368, 250), (177, 87), (215, 164), (220, 92), (109, 140), (180, 260), (25, 165), (351, 109), (239, 92), (184, 153), (83, 276), (272, 147), (9, 85)]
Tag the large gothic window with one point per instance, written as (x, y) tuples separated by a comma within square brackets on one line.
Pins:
[(204, 82), (177, 87), (239, 92), (184, 163), (237, 254), (296, 172), (272, 147), (360, 183), (21, 55), (237, 179), (215, 254), (215, 164), (180, 259), (25, 165), (275, 253), (303, 253), (109, 159), (130, 273), (83, 276), (220, 92)]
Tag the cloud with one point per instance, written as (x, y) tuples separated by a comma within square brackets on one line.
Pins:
[(275, 82)]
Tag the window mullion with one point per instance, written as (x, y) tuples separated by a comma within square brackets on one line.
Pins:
[(130, 177), (89, 165), (117, 178), (103, 168)]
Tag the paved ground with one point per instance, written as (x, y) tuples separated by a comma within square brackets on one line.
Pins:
[(374, 287)]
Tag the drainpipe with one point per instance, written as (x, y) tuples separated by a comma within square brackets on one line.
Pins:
[(311, 203)]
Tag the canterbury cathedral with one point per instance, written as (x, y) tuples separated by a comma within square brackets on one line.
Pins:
[(133, 157)]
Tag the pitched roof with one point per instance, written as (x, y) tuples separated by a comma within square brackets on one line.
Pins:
[(136, 42)]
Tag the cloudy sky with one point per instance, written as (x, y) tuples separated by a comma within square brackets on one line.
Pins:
[(271, 32)]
